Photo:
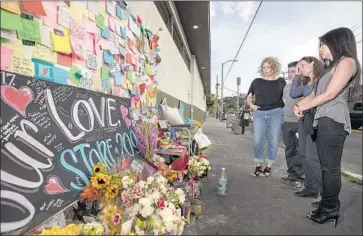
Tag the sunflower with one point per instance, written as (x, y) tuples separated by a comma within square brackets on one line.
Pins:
[(99, 168), (100, 181), (112, 191)]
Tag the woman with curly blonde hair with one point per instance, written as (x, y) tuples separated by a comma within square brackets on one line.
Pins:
[(268, 112)]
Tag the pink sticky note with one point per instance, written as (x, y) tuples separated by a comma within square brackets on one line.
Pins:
[(112, 24), (89, 25), (6, 58), (89, 43), (52, 12)]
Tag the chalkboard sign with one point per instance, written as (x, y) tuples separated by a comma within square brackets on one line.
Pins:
[(51, 136)]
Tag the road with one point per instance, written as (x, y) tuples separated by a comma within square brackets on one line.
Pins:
[(261, 206)]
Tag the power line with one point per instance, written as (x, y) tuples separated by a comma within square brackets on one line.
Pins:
[(248, 30)]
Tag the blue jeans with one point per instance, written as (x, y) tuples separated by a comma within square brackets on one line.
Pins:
[(269, 121)]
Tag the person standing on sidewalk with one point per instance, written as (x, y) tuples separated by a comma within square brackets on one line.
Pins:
[(295, 173), (339, 51), (268, 113), (310, 69)]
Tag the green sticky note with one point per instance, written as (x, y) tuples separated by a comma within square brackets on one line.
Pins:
[(130, 75), (105, 72), (100, 21), (30, 31), (72, 75), (10, 21)]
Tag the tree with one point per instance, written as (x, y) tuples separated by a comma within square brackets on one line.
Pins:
[(211, 99)]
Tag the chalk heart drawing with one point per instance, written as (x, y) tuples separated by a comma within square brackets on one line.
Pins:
[(54, 186), (124, 111), (127, 122), (18, 99)]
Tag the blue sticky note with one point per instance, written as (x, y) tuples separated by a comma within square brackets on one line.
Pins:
[(123, 32), (105, 33), (122, 51), (43, 70), (119, 11), (118, 77), (60, 76), (107, 57)]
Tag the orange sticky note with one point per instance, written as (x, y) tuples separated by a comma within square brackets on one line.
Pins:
[(11, 6), (35, 7)]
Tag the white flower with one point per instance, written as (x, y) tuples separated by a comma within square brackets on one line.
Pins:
[(170, 226), (141, 184), (126, 227), (147, 211), (163, 189), (145, 201), (166, 214), (126, 181), (171, 205), (150, 180), (161, 180)]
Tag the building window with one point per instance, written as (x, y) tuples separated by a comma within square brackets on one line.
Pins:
[(169, 21), (164, 13)]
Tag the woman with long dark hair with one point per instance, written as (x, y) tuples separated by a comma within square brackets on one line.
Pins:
[(339, 51), (310, 70)]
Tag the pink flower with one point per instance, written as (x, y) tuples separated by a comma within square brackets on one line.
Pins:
[(137, 192), (161, 203), (116, 219)]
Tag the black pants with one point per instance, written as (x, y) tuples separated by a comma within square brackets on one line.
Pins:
[(310, 161), (293, 161), (330, 143)]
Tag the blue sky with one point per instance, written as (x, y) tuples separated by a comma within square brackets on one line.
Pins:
[(287, 30)]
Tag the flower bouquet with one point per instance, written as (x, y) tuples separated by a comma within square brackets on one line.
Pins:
[(76, 229), (147, 138), (198, 167)]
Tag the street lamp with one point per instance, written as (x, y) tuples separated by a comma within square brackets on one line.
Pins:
[(222, 87)]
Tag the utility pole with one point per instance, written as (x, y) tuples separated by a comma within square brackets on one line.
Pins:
[(238, 84), (222, 79), (216, 102)]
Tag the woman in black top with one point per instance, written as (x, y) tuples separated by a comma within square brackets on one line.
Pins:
[(268, 113)]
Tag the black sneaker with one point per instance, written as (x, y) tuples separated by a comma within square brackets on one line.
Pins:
[(316, 204), (258, 171), (267, 171), (295, 185), (285, 179)]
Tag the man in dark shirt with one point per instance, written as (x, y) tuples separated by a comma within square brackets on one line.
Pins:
[(295, 174)]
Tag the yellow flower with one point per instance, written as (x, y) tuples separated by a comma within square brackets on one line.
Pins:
[(53, 231), (99, 168), (100, 181), (71, 229), (112, 191)]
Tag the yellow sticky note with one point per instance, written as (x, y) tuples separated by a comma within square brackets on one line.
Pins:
[(16, 45), (61, 41), (23, 65), (91, 16), (129, 85), (45, 54), (11, 6), (77, 12), (96, 85)]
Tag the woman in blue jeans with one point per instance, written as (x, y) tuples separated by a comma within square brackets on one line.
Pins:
[(268, 113), (338, 49)]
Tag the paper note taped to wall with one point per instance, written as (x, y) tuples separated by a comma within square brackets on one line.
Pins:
[(43, 53), (6, 58), (22, 65), (61, 42), (30, 31)]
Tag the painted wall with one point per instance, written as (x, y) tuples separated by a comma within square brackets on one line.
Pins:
[(174, 77)]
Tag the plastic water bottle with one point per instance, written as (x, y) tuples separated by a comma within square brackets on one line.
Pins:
[(222, 183)]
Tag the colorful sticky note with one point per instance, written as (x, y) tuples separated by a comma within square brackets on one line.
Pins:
[(46, 38), (77, 38), (105, 73), (72, 75), (77, 11), (43, 70), (60, 75), (93, 6), (30, 31), (105, 33), (6, 58), (107, 57), (10, 20), (51, 8), (89, 25), (123, 32), (112, 24), (45, 54), (35, 7), (8, 34), (119, 11), (100, 21), (61, 42), (64, 59), (64, 16), (89, 42), (22, 65), (118, 77), (11, 6)]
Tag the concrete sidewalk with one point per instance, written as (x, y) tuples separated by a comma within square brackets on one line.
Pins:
[(262, 205)]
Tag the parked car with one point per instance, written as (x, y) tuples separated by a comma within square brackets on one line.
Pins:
[(356, 114)]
